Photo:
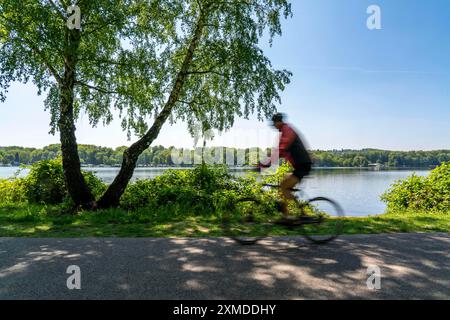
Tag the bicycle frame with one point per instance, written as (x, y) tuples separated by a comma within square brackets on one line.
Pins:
[(275, 186)]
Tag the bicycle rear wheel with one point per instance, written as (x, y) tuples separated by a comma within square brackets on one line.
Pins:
[(246, 222), (326, 224)]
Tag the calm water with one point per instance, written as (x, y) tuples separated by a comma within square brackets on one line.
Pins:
[(358, 191)]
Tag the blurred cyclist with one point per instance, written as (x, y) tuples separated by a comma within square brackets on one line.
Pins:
[(293, 150)]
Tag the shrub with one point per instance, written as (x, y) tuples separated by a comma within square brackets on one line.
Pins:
[(284, 169), (44, 184), (421, 193), (97, 186), (203, 190), (138, 194), (12, 191)]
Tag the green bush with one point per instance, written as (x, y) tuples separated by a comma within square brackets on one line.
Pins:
[(138, 194), (430, 193), (12, 191), (284, 169), (97, 186), (203, 190), (44, 184)]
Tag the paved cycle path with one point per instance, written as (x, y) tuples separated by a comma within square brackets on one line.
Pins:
[(413, 266)]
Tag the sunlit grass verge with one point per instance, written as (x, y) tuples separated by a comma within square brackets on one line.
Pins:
[(47, 221)]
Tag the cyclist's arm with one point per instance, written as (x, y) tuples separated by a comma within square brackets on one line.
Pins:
[(273, 158), (286, 139)]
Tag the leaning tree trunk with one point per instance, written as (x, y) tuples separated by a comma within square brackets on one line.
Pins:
[(130, 157), (76, 185), (112, 195)]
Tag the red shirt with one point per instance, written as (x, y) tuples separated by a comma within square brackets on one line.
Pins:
[(291, 148)]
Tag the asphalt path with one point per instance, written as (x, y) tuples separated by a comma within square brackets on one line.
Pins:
[(412, 266)]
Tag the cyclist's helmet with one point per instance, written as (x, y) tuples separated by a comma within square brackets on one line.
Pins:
[(277, 117)]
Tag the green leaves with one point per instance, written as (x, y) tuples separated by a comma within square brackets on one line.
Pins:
[(12, 191), (44, 184), (204, 190), (130, 53), (192, 60), (230, 76), (421, 193)]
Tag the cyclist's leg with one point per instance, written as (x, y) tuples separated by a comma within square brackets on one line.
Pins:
[(290, 182), (286, 185)]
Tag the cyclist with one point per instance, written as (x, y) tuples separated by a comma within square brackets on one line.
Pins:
[(293, 150)]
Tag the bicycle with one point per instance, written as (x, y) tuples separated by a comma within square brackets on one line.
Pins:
[(250, 219)]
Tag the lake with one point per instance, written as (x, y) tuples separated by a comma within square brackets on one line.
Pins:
[(357, 190)]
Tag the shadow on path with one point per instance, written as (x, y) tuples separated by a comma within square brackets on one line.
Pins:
[(412, 266)]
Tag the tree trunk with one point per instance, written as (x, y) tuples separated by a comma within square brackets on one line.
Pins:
[(112, 196), (76, 185)]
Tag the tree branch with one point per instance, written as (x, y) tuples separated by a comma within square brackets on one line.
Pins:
[(51, 69), (104, 61), (104, 25), (192, 102), (178, 84), (206, 72), (102, 90)]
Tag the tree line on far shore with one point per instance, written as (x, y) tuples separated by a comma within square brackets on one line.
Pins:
[(160, 156)]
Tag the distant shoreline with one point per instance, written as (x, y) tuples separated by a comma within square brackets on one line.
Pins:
[(247, 168), (161, 157)]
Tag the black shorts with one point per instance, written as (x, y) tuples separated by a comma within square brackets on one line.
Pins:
[(303, 170)]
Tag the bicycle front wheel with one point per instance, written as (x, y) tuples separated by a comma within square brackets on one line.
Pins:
[(246, 222), (326, 223)]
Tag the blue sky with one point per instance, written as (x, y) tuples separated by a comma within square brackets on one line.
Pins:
[(352, 87)]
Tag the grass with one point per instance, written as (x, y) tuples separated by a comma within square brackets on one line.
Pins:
[(23, 220)]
